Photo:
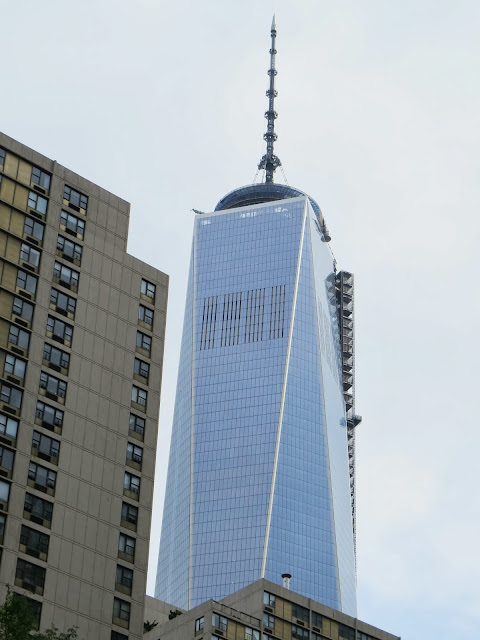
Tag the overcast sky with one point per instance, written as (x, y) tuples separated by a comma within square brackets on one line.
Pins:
[(379, 110)]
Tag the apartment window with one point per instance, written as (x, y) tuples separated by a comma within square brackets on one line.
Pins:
[(139, 396), (126, 544), (22, 308), (26, 281), (34, 540), (300, 612), (199, 624), (316, 636), (59, 329), (137, 424), (33, 228), (7, 457), (8, 426), (67, 276), (134, 453), (49, 416), (268, 621), (299, 633), (118, 636), (29, 254), (145, 315), (363, 636), (72, 224), (317, 619), (4, 491), (52, 385), (69, 249), (346, 632), (219, 622), (129, 514), (148, 289), (41, 178), (144, 341), (18, 337), (56, 357), (37, 202), (75, 198), (44, 446), (2, 157), (14, 366), (121, 610), (269, 599), (251, 634), (141, 368), (35, 607), (30, 574), (131, 483), (11, 395), (41, 510), (42, 476), (124, 577), (3, 520), (63, 302)]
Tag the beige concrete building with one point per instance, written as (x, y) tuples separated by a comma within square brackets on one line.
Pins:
[(81, 343), (261, 611)]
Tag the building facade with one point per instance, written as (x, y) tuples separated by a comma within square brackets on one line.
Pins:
[(81, 343), (260, 473)]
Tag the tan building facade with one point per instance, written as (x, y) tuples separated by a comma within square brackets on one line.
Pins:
[(261, 611), (82, 327)]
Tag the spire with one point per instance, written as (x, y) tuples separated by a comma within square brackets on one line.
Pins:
[(270, 162)]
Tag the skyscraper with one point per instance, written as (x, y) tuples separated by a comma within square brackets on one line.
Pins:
[(260, 479), (81, 341)]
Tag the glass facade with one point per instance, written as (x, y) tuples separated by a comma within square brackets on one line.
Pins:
[(258, 478)]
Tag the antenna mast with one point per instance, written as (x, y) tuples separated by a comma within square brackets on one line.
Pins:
[(270, 162)]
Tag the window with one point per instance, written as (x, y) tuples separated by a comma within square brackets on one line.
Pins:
[(219, 622), (53, 385), (141, 368), (251, 634), (299, 633), (131, 483), (121, 609), (30, 574), (144, 341), (42, 476), (316, 636), (3, 519), (22, 309), (75, 198), (137, 424), (129, 513), (300, 612), (37, 202), (199, 624), (33, 228), (67, 276), (126, 544), (48, 415), (148, 289), (145, 315), (69, 248), (34, 540), (36, 608), (2, 157), (63, 302), (317, 619), (11, 395), (134, 453), (124, 577), (26, 281), (268, 621), (29, 254), (19, 337), (363, 636), (44, 445), (4, 491), (39, 508), (14, 366), (72, 224), (118, 636), (6, 458), (139, 396), (269, 599), (346, 632), (8, 426), (59, 329), (56, 357), (40, 177)]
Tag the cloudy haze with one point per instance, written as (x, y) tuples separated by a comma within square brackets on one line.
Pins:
[(379, 112)]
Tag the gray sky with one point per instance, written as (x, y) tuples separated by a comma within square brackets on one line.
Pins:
[(379, 113)]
